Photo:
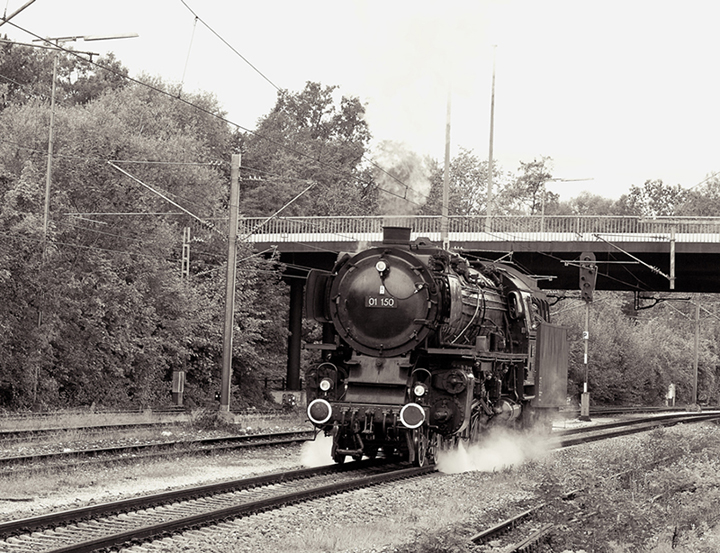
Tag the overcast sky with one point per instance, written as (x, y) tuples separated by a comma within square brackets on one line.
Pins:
[(618, 91)]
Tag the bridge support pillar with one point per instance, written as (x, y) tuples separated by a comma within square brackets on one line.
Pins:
[(295, 326)]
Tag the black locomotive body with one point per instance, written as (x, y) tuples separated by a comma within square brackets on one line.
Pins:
[(421, 348)]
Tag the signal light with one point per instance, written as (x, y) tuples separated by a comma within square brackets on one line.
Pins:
[(588, 275)]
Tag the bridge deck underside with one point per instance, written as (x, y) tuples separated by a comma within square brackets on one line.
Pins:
[(630, 266)]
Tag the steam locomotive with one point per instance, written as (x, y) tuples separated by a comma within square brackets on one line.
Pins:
[(422, 348)]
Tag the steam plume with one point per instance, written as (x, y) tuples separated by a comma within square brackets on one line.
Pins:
[(501, 449), (316, 453), (403, 178)]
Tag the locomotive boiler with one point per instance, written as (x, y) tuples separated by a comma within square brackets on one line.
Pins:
[(422, 348)]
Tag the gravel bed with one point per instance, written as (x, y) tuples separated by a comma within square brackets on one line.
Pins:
[(479, 487)]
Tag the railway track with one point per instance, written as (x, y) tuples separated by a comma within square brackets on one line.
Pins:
[(88, 432), (122, 522), (156, 449), (527, 532), (19, 429), (589, 434), (112, 524)]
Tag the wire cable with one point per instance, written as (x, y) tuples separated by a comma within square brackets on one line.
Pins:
[(197, 18), (187, 59)]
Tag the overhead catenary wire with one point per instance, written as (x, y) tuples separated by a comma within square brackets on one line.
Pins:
[(187, 59), (374, 164), (6, 18), (257, 170), (163, 196), (198, 18), (380, 189), (40, 240)]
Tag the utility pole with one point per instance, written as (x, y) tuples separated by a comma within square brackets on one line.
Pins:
[(697, 348), (48, 175), (488, 217), (444, 234), (230, 285), (56, 43)]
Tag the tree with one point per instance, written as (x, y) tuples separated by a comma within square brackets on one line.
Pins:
[(655, 199), (307, 139), (528, 193), (468, 179), (22, 346), (635, 356), (586, 203), (27, 76), (702, 201), (99, 312)]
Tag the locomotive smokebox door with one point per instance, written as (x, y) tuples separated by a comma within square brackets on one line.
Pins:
[(551, 366)]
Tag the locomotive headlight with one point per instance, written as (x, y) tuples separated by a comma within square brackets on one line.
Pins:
[(326, 384), (419, 390), (381, 266), (319, 411)]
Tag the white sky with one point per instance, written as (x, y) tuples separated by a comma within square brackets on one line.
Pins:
[(618, 91)]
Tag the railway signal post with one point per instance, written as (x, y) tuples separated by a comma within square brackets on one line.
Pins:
[(588, 278)]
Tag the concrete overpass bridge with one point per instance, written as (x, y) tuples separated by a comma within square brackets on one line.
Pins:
[(643, 255), (633, 253)]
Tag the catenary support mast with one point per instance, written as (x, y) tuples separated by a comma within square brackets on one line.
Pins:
[(230, 285)]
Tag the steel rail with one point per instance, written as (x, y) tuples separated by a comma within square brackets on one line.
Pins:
[(36, 523), (681, 417), (162, 448), (211, 516), (626, 428), (23, 532), (237, 511), (39, 432)]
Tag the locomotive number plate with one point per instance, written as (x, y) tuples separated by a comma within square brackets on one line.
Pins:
[(371, 301)]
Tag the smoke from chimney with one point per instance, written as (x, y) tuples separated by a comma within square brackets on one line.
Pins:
[(403, 179)]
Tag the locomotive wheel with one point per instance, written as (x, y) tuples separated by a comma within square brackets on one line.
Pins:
[(423, 450), (337, 457), (476, 428), (437, 443)]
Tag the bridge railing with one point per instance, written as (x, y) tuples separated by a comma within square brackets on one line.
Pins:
[(531, 227)]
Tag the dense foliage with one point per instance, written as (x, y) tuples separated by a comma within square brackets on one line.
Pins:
[(96, 311), (308, 141), (634, 356)]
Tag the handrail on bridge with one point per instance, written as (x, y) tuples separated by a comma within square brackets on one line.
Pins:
[(526, 227)]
